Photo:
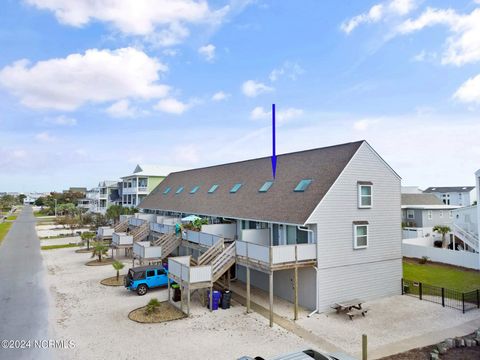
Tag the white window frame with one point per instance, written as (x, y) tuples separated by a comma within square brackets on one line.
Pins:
[(429, 214), (355, 239), (411, 212), (360, 206)]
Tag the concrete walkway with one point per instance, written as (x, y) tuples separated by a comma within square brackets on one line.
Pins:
[(23, 297)]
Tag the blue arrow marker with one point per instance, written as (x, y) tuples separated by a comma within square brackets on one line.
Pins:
[(274, 156)]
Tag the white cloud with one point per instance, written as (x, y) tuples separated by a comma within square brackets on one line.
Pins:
[(170, 52), (290, 69), (252, 88), (469, 92), (365, 124), (219, 96), (463, 45), (96, 76), (138, 18), (172, 106), (378, 12), (207, 52), (44, 137), (282, 115), (121, 109), (425, 56), (172, 35), (62, 120)]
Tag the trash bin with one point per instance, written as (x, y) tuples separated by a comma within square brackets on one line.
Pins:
[(176, 293), (216, 299), (226, 298)]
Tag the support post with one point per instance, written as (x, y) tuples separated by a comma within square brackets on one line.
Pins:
[(211, 298), (295, 286), (401, 282), (463, 303), (478, 298), (443, 297), (271, 298), (420, 292), (168, 287), (364, 347), (188, 301), (248, 289), (181, 295)]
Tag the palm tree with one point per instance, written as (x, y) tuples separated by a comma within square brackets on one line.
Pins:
[(152, 306), (117, 265), (99, 249), (87, 236), (443, 230)]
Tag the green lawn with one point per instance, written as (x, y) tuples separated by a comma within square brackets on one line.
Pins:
[(442, 276), (4, 227), (52, 247), (11, 218)]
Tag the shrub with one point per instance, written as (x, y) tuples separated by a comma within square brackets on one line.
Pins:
[(424, 260), (152, 306)]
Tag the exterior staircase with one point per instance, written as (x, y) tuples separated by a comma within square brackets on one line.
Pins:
[(467, 237), (141, 232), (168, 243), (208, 256), (224, 261), (121, 226)]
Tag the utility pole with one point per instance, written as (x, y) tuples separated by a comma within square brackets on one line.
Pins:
[(55, 207)]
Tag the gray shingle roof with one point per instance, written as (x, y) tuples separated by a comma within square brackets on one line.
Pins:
[(420, 199), (279, 204), (447, 189)]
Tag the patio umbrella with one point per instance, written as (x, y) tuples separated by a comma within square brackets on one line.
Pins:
[(191, 218)]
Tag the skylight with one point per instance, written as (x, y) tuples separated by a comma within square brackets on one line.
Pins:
[(302, 185), (235, 187), (267, 185), (195, 189), (179, 190), (213, 188), (166, 191)]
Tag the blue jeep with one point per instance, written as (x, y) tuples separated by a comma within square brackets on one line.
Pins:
[(143, 278)]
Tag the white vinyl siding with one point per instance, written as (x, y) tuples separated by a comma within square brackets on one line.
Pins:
[(339, 263), (429, 215)]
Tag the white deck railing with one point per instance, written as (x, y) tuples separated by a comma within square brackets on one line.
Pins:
[(135, 222), (278, 254), (120, 239), (162, 228), (144, 250), (200, 238), (466, 218), (180, 268), (105, 231)]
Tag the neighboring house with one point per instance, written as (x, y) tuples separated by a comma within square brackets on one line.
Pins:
[(330, 218), (467, 221), (108, 195), (452, 195), (31, 197), (91, 202), (411, 190), (140, 183)]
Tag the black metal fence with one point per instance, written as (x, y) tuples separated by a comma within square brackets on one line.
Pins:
[(463, 301)]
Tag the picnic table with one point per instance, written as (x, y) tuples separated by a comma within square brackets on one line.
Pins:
[(351, 308)]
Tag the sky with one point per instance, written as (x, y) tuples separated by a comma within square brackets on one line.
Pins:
[(90, 88)]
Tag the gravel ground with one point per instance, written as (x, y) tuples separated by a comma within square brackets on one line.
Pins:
[(95, 318)]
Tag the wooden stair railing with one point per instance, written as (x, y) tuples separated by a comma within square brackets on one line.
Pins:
[(223, 262), (121, 226), (208, 256)]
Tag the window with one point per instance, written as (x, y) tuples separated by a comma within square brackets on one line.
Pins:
[(235, 187), (213, 188), (195, 189), (266, 185), (150, 273), (410, 214), (160, 272), (429, 215), (302, 185), (166, 191), (360, 238), (364, 196), (179, 190)]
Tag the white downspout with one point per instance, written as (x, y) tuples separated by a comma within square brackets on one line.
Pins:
[(315, 267)]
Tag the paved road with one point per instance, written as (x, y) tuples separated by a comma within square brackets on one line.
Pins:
[(23, 296)]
